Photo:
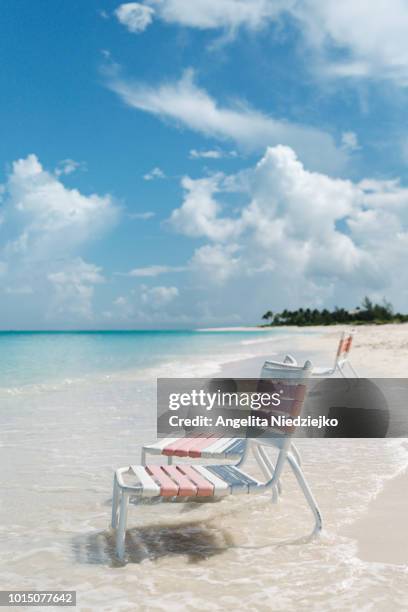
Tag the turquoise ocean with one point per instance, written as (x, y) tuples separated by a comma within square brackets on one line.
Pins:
[(29, 358)]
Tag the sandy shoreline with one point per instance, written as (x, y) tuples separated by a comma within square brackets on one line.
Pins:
[(382, 533), (378, 350)]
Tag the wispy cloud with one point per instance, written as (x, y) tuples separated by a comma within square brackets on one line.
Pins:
[(187, 104), (19, 290), (142, 216), (213, 14), (349, 141), (68, 166), (368, 38), (155, 173), (211, 154), (154, 270)]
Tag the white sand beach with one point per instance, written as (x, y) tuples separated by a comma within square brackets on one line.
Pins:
[(378, 351), (61, 442)]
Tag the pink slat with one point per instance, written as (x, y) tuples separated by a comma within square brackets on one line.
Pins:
[(168, 487), (194, 450), (345, 345), (204, 487), (186, 487), (177, 448), (190, 443)]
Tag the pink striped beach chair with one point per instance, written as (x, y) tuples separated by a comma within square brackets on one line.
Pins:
[(341, 360), (211, 447), (187, 482)]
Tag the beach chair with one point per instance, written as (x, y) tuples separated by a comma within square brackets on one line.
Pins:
[(187, 482), (341, 359), (209, 447)]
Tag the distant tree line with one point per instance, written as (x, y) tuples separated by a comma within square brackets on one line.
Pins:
[(368, 312)]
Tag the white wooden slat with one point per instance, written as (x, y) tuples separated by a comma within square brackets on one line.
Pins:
[(150, 487), (220, 486), (160, 445), (218, 447)]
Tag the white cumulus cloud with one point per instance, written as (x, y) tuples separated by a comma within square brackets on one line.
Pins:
[(300, 237), (46, 224), (74, 288), (200, 213), (50, 213), (160, 296), (134, 16)]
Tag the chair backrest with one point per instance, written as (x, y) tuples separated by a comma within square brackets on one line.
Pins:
[(292, 381), (343, 349), (287, 369)]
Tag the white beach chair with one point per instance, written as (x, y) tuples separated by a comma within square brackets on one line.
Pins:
[(341, 359), (189, 481)]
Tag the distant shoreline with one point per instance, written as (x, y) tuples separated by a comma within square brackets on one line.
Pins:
[(395, 321)]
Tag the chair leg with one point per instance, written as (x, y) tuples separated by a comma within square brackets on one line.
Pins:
[(341, 372), (115, 503), (121, 531), (169, 460), (268, 470), (352, 369), (275, 494), (307, 493), (296, 454), (264, 465), (143, 457)]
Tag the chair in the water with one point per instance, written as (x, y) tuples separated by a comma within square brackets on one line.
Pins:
[(189, 481), (211, 447)]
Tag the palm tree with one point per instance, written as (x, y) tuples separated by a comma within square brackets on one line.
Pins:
[(268, 315)]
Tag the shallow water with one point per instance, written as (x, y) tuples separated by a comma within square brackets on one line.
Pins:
[(59, 445), (45, 357)]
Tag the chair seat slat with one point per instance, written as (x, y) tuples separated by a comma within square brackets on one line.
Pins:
[(148, 485), (168, 488)]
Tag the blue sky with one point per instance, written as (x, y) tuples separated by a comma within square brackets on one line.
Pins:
[(174, 164)]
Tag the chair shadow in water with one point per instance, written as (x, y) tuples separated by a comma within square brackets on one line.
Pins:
[(197, 541)]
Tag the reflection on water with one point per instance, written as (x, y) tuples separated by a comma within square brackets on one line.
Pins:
[(195, 541)]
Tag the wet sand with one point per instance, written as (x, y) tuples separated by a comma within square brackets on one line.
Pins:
[(382, 532)]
